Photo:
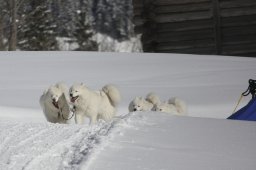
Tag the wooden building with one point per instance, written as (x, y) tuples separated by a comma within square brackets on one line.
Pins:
[(223, 27)]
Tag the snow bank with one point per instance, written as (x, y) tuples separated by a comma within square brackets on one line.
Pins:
[(139, 140), (160, 141)]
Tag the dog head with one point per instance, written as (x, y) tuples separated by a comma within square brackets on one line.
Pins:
[(165, 107), (55, 94), (75, 92), (137, 104)]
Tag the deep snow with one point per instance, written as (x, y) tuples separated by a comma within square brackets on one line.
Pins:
[(211, 86), (160, 141)]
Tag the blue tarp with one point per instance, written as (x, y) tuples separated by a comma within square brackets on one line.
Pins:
[(248, 112)]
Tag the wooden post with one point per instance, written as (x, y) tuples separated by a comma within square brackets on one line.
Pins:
[(217, 26)]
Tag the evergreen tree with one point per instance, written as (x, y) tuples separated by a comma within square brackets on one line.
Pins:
[(38, 31), (113, 17), (83, 30), (64, 15)]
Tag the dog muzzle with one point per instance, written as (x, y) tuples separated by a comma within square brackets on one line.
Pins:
[(73, 99), (55, 104)]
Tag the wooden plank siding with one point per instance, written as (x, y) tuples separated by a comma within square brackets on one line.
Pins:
[(224, 27)]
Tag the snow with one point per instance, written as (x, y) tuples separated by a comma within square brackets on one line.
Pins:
[(105, 43), (160, 141), (211, 85), (66, 44)]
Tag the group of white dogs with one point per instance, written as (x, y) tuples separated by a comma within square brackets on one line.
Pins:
[(152, 102), (60, 104)]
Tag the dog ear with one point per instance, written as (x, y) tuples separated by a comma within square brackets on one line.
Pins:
[(136, 98), (51, 87)]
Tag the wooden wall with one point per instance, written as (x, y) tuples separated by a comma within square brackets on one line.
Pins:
[(224, 27)]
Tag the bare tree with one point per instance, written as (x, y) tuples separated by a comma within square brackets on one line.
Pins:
[(1, 34), (2, 22), (13, 31)]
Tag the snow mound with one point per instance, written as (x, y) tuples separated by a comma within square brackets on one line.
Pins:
[(138, 140), (152, 140)]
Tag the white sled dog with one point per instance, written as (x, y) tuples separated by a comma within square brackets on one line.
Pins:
[(174, 106), (154, 99), (141, 104), (94, 104), (55, 103)]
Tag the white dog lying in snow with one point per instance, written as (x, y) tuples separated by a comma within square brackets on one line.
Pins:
[(94, 104), (55, 103), (174, 106), (141, 104)]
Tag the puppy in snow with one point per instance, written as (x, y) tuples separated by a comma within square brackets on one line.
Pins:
[(55, 103), (154, 99), (141, 104), (94, 104), (174, 106)]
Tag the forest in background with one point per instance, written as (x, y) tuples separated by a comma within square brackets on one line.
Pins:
[(51, 24)]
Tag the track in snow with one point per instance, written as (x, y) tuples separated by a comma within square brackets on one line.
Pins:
[(30, 146)]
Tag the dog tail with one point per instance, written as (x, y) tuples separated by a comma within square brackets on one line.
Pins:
[(113, 94), (180, 105), (153, 98)]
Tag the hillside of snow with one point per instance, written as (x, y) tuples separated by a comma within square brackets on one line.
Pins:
[(211, 86)]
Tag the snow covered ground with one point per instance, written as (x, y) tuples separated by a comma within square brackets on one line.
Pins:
[(211, 85)]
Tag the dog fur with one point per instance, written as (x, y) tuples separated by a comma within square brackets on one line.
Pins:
[(147, 104), (153, 98), (94, 104), (140, 104), (55, 103), (174, 106)]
